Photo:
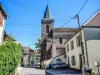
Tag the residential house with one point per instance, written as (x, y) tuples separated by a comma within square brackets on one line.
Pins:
[(6, 37), (28, 56), (90, 32), (3, 17)]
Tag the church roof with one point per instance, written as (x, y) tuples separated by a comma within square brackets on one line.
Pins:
[(65, 29), (47, 13)]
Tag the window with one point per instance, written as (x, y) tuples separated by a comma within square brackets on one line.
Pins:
[(68, 62), (72, 45), (47, 28), (60, 40), (78, 41), (73, 60), (67, 47), (64, 56)]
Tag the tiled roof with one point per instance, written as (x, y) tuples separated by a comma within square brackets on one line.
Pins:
[(3, 11), (65, 29), (94, 21), (27, 49)]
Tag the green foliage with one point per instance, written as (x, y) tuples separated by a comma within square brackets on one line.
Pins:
[(10, 57), (37, 46)]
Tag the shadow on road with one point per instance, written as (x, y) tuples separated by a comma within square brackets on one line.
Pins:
[(62, 72)]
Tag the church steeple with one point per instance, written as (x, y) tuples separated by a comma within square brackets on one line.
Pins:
[(47, 13)]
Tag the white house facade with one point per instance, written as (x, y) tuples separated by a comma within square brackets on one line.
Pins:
[(91, 45)]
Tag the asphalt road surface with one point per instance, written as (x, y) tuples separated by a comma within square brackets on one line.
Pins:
[(34, 71), (63, 72), (31, 71)]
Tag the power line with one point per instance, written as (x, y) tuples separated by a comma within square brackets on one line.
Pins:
[(24, 5), (74, 16), (71, 17), (82, 7), (64, 24), (91, 15)]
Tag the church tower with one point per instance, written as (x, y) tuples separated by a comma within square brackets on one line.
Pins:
[(47, 24)]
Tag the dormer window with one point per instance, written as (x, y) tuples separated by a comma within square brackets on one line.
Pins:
[(60, 40), (47, 28)]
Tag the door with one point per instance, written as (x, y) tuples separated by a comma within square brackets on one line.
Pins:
[(68, 63), (80, 61)]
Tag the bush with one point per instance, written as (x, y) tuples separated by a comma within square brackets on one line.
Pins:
[(10, 57)]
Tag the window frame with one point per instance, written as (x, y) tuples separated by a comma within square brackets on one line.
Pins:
[(60, 40), (67, 47), (78, 41), (65, 56), (47, 28), (73, 60), (72, 45)]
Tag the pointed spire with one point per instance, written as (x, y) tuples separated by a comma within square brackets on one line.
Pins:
[(47, 13)]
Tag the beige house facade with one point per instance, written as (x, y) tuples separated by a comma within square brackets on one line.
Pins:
[(91, 45)]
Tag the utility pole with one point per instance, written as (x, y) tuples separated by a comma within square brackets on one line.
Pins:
[(82, 47)]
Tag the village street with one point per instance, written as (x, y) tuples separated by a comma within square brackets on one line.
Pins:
[(34, 71), (30, 71), (62, 72)]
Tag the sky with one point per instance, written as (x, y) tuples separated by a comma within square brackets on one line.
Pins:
[(24, 16)]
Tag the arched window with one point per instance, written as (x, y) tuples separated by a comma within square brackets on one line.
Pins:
[(60, 40), (47, 28)]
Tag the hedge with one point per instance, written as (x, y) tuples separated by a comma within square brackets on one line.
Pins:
[(10, 57)]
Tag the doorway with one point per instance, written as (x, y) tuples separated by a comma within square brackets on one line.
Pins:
[(80, 61), (68, 63)]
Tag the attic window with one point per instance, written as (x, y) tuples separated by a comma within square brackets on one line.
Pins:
[(47, 28)]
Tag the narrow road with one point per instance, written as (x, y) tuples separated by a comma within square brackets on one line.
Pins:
[(34, 71), (63, 72), (31, 71)]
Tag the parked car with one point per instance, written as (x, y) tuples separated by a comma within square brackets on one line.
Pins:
[(37, 65), (59, 66), (55, 66), (62, 66)]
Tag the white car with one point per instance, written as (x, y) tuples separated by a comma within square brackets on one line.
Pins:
[(59, 66), (55, 66)]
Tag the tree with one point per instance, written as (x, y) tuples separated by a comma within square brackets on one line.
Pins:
[(37, 46), (10, 56)]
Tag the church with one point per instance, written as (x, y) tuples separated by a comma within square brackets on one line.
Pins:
[(53, 39)]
